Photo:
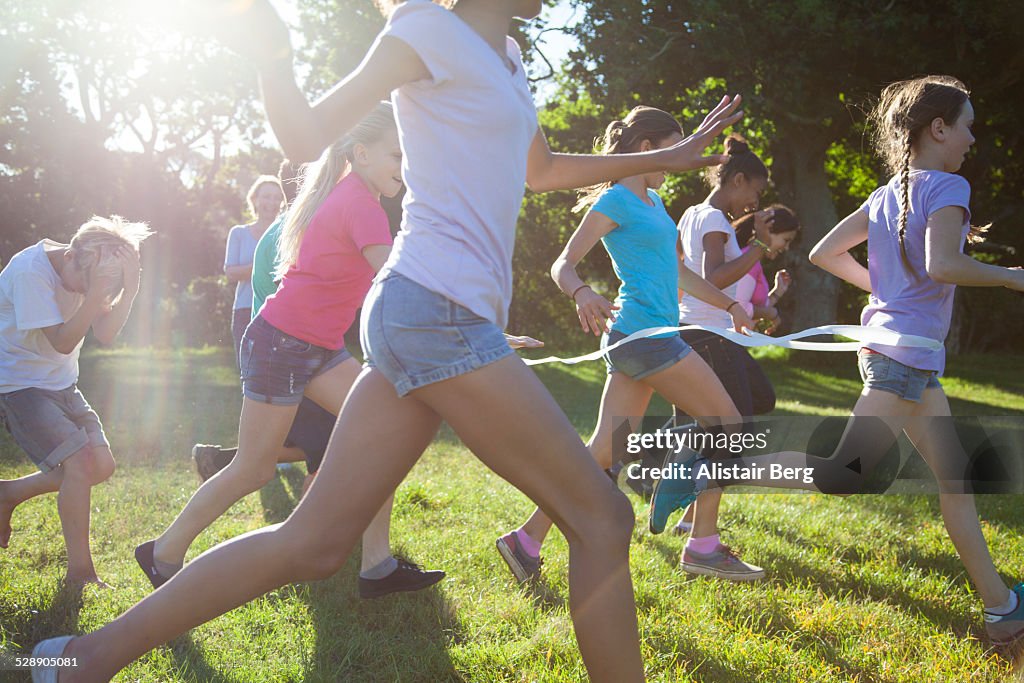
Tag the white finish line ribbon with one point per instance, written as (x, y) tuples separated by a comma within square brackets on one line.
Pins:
[(861, 334)]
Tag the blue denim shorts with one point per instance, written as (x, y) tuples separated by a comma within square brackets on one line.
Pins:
[(885, 374), (416, 337), (643, 357), (276, 367), (51, 425)]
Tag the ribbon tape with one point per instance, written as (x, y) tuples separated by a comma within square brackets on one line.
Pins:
[(861, 334)]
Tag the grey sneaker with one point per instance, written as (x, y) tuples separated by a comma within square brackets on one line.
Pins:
[(210, 460), (722, 563), (523, 565), (1007, 629)]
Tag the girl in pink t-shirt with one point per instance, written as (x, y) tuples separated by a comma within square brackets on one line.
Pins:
[(334, 239)]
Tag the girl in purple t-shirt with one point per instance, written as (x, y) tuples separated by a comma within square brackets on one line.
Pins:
[(915, 227)]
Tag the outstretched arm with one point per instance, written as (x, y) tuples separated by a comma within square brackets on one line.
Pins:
[(546, 170), (832, 253)]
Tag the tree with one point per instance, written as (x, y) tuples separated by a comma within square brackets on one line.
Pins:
[(805, 67)]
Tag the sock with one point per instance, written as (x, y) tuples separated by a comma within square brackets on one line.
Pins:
[(1006, 607), (167, 569), (683, 525), (380, 571), (531, 546), (705, 545)]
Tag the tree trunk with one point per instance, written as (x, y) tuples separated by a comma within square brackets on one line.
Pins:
[(799, 175)]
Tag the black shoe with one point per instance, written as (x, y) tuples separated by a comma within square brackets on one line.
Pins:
[(210, 460), (144, 556), (407, 577)]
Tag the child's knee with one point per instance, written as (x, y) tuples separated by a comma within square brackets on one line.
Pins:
[(89, 465), (103, 465)]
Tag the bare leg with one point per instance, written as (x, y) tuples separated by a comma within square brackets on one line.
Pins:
[(311, 544), (330, 391), (939, 445), (260, 428), (14, 492), (623, 398), (712, 401), (83, 470), (548, 463)]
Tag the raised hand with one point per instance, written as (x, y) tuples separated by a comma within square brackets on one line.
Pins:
[(689, 154), (782, 282), (252, 28)]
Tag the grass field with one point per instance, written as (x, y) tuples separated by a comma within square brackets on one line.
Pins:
[(866, 588)]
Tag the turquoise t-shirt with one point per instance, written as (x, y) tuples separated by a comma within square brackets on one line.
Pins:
[(643, 253), (264, 263)]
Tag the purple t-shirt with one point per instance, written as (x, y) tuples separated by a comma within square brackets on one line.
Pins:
[(902, 300)]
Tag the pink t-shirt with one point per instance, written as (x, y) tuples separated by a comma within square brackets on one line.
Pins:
[(320, 294)]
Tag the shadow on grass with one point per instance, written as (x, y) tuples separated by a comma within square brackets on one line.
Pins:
[(403, 636), (50, 616)]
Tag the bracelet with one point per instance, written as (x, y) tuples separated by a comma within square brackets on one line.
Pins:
[(729, 307), (577, 290), (758, 243)]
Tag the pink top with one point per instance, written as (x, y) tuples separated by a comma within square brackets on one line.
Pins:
[(752, 289), (320, 294)]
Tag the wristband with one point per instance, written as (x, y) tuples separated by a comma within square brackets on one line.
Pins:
[(758, 243), (729, 307), (577, 290)]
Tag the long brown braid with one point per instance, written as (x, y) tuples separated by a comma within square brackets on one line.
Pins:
[(904, 110), (905, 203)]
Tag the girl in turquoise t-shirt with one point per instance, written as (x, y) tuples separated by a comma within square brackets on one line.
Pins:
[(629, 218)]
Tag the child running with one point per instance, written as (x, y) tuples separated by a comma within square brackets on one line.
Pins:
[(51, 295), (335, 238), (915, 227), (742, 376), (629, 218), (431, 328)]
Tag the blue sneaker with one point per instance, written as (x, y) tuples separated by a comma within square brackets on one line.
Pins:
[(675, 493), (1007, 629)]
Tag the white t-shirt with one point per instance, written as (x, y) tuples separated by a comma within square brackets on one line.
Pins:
[(465, 134), (696, 222), (31, 298)]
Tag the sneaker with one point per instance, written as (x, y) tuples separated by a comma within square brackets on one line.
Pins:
[(722, 563), (144, 556), (1006, 629), (524, 566), (675, 494), (210, 459), (407, 578)]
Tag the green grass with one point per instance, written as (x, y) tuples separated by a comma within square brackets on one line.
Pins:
[(861, 589)]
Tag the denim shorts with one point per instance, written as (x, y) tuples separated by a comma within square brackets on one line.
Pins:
[(416, 337), (276, 367), (51, 425), (643, 357), (885, 374)]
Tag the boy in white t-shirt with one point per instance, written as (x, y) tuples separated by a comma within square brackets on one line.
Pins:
[(51, 294)]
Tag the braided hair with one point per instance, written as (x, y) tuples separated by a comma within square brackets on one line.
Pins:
[(905, 109)]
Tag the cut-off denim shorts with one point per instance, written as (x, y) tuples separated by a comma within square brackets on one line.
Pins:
[(276, 367), (416, 337), (643, 357), (885, 374), (51, 425)]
